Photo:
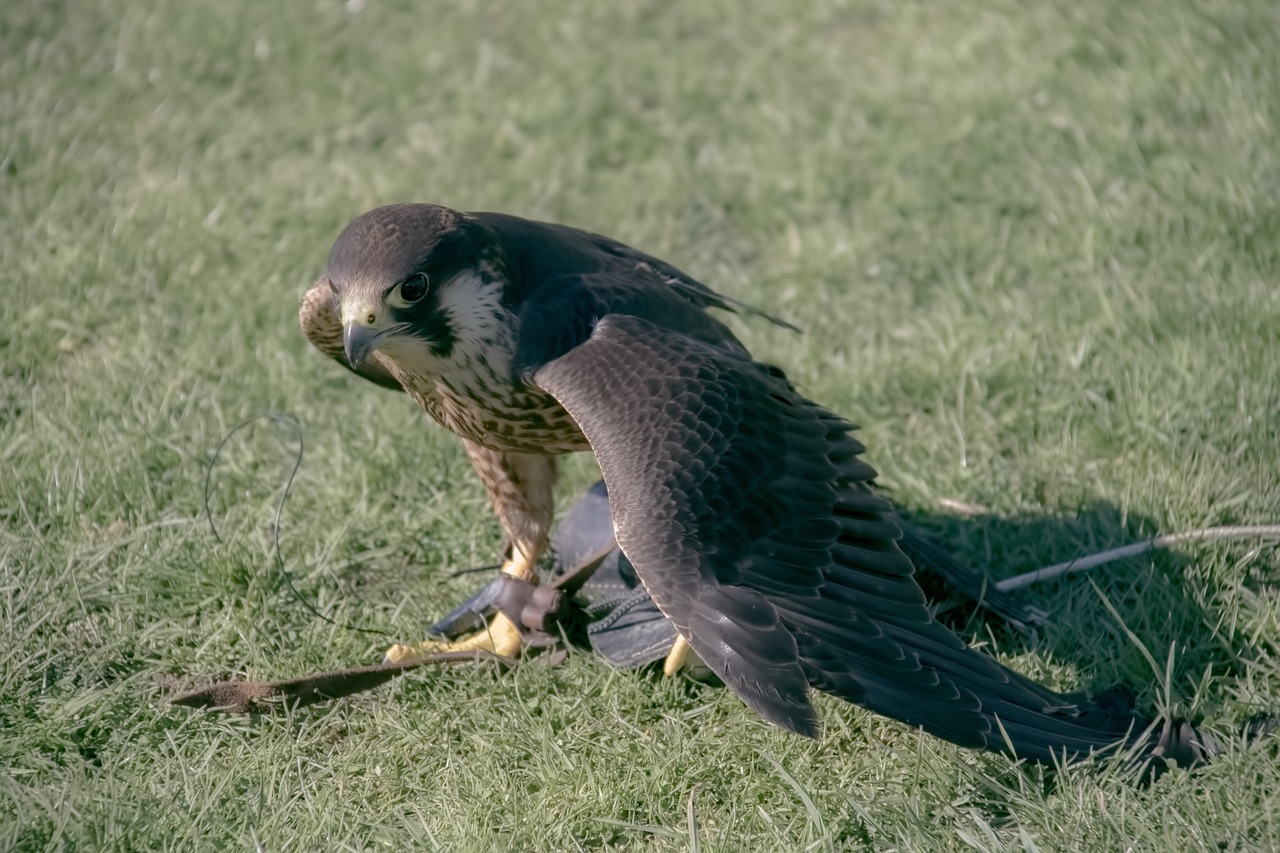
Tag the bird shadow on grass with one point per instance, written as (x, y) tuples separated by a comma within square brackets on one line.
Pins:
[(1159, 597), (1167, 605), (1152, 626), (1164, 601), (1164, 633)]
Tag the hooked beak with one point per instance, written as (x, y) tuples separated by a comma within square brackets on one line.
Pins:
[(365, 329), (359, 341), (363, 325)]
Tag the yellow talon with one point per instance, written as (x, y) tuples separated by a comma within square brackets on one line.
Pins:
[(677, 657), (501, 637)]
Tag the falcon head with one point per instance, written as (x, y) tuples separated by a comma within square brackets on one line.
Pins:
[(415, 282)]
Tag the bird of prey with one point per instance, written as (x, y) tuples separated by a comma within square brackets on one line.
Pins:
[(744, 507)]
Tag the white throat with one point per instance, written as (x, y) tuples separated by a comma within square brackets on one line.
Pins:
[(483, 341)]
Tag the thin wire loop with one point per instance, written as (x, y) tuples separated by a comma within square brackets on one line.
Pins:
[(275, 524)]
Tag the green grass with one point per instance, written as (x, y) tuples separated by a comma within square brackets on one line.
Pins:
[(1036, 249)]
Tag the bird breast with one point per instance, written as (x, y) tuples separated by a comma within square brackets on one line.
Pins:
[(502, 418), (469, 389), (472, 394)]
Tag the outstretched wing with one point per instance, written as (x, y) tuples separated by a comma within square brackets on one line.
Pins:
[(745, 512), (707, 463)]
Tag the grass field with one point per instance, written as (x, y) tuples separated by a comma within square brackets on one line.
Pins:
[(1035, 249)]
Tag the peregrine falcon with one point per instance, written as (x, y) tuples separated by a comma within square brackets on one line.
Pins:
[(744, 507)]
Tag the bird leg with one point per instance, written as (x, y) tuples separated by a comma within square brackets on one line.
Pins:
[(519, 486)]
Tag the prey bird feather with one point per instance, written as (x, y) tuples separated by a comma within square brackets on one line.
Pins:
[(745, 509)]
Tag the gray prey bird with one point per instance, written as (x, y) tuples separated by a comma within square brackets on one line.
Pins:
[(744, 508)]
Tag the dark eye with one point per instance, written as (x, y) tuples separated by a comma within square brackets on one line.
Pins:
[(414, 287)]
